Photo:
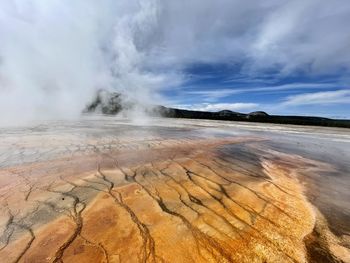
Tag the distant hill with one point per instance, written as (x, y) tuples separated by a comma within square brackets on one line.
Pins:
[(112, 103)]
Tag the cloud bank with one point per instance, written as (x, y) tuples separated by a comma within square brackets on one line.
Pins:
[(319, 98), (239, 107), (55, 54)]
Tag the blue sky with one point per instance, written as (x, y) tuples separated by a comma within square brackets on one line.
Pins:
[(280, 56), (222, 86)]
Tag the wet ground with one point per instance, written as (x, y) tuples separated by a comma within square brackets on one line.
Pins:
[(108, 190)]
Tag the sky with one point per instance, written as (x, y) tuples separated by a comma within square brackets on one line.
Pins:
[(289, 57)]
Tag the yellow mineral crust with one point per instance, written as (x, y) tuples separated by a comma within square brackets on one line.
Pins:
[(184, 202)]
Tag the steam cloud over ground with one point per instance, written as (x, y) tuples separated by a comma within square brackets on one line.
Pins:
[(55, 54), (209, 183)]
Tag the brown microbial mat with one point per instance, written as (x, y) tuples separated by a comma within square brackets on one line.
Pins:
[(106, 190)]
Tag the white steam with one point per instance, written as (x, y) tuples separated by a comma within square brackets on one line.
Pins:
[(54, 54)]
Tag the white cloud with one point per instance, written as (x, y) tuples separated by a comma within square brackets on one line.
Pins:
[(239, 106), (304, 35), (319, 98), (55, 54), (214, 94)]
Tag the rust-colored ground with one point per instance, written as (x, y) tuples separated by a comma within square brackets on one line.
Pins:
[(185, 200)]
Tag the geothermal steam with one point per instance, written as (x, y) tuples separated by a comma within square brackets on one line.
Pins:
[(55, 55)]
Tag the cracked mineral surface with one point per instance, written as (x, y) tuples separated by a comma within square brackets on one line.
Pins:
[(107, 190)]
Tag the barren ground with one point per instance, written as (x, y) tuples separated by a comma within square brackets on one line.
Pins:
[(107, 190)]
